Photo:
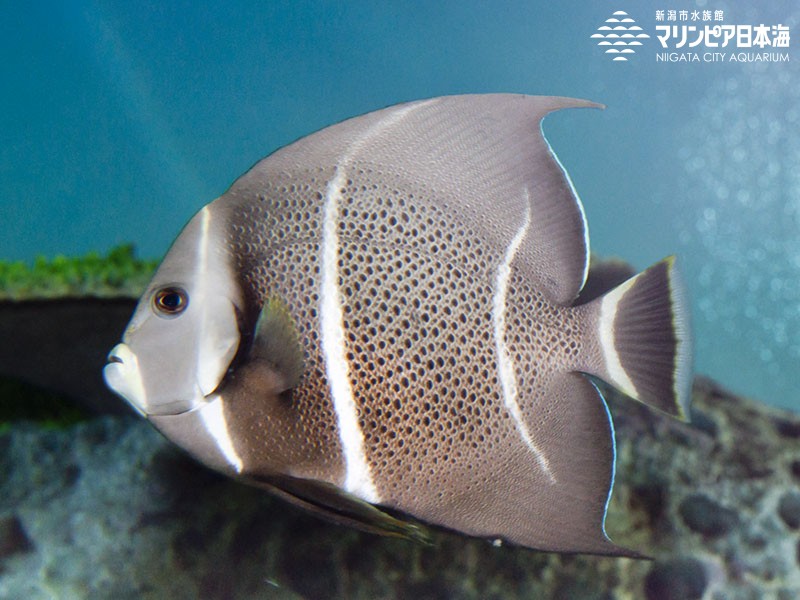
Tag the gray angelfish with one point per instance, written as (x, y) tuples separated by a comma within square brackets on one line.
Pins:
[(382, 315)]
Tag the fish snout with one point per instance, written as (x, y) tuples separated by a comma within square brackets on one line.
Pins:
[(122, 375)]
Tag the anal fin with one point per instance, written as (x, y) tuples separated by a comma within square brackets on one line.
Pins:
[(337, 506)]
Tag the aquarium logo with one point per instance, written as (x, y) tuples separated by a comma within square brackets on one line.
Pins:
[(620, 36), (741, 43), (694, 36)]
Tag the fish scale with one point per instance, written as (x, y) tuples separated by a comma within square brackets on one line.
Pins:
[(285, 263), (379, 320), (411, 429), (418, 277), (414, 420)]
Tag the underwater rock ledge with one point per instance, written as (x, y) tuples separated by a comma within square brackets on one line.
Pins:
[(105, 507), (58, 320)]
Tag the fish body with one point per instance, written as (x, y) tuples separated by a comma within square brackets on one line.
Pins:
[(383, 315)]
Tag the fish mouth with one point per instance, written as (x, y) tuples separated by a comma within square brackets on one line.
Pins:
[(122, 375)]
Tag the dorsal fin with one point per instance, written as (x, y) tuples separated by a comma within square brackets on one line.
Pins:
[(482, 156)]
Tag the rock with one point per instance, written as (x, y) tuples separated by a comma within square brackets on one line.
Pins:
[(680, 579), (108, 508), (703, 515), (13, 539), (787, 428), (789, 509), (46, 308), (38, 345)]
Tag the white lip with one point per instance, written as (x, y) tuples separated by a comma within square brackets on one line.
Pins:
[(122, 375)]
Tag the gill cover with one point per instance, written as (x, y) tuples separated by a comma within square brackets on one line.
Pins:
[(174, 354)]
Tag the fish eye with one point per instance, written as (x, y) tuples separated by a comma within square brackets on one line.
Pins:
[(170, 301)]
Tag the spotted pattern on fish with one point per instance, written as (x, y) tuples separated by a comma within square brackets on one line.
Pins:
[(400, 292)]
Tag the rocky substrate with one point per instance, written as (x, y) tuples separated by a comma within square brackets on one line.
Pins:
[(106, 508)]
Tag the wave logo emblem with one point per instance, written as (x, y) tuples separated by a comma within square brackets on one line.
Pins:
[(620, 36)]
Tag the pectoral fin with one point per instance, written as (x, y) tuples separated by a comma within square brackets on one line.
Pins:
[(277, 342)]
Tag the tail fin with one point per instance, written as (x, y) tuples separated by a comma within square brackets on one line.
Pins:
[(644, 338)]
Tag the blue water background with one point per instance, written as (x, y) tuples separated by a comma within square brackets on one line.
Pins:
[(119, 120)]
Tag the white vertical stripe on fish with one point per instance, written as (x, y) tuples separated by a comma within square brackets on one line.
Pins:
[(380, 128), (584, 222), (216, 341), (206, 370), (202, 250), (608, 312), (505, 364), (213, 418), (358, 478), (682, 379)]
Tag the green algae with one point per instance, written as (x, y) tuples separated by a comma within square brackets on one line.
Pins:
[(119, 273)]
